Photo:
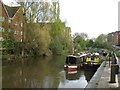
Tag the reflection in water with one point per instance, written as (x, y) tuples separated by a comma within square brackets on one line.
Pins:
[(73, 80), (41, 73)]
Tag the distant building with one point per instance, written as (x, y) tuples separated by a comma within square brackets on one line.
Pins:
[(114, 38)]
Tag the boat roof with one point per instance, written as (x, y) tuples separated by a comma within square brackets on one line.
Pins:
[(83, 55), (77, 56), (97, 54), (72, 56)]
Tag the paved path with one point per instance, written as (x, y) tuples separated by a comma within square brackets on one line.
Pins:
[(119, 72), (102, 78), (0, 74), (105, 79)]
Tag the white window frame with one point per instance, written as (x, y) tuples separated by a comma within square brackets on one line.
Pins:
[(2, 19), (9, 20), (15, 32), (16, 24), (9, 30), (21, 39), (2, 29), (21, 33), (21, 24)]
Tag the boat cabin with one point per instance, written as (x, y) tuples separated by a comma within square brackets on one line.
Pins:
[(73, 62)]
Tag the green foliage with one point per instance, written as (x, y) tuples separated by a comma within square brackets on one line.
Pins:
[(42, 39), (56, 29), (8, 44), (79, 41), (60, 43), (56, 47), (90, 43), (41, 36), (101, 41), (38, 40)]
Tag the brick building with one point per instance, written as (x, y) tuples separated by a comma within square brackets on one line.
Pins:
[(114, 38), (4, 25), (11, 24)]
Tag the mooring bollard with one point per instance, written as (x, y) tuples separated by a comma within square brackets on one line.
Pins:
[(114, 71), (117, 69)]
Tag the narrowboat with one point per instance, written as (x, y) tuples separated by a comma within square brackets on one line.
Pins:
[(73, 63), (92, 61)]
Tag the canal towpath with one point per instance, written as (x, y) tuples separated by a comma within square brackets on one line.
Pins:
[(102, 77), (119, 73)]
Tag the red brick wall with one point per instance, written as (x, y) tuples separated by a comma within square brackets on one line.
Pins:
[(17, 18), (5, 23), (116, 38), (119, 38)]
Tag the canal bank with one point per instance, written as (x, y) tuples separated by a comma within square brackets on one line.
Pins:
[(102, 78)]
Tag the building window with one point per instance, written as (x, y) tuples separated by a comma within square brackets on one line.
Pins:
[(15, 32), (21, 32), (21, 40), (21, 24), (1, 19), (112, 34), (16, 23), (2, 29), (9, 30), (9, 20)]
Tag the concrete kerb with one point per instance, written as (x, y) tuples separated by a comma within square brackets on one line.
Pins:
[(101, 78), (96, 78)]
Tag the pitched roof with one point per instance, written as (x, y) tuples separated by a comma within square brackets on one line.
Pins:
[(11, 10)]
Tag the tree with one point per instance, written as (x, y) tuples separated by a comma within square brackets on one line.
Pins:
[(101, 41), (44, 28), (90, 43), (58, 40), (79, 40)]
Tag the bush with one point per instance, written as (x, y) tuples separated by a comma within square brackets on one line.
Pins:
[(8, 44)]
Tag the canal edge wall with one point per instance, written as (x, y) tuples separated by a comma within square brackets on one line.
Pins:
[(93, 83), (101, 78)]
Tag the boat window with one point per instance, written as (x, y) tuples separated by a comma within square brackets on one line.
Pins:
[(70, 60), (67, 60)]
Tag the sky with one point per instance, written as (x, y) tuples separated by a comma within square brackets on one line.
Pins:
[(93, 17)]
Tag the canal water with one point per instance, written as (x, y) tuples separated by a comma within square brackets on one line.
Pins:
[(47, 72)]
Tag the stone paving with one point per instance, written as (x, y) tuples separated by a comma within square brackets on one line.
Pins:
[(102, 78), (0, 78), (119, 72), (105, 79)]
